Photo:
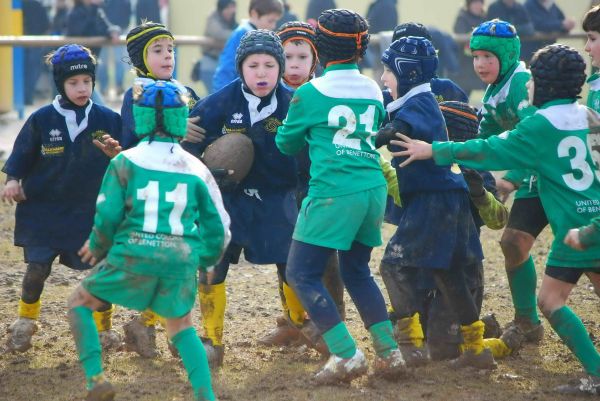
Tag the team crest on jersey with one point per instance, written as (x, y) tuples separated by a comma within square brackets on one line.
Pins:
[(55, 135), (99, 134), (271, 124), (236, 118)]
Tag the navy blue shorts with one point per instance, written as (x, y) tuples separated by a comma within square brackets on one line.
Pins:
[(262, 223), (46, 255), (435, 231), (569, 275)]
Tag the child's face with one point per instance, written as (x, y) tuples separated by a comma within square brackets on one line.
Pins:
[(476, 8), (530, 89), (266, 21), (261, 72), (486, 66), (159, 58), (78, 89), (389, 81), (298, 62), (592, 47)]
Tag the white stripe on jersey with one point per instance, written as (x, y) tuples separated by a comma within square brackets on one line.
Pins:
[(566, 117), (347, 84)]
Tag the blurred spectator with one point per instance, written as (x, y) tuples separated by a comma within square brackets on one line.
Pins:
[(316, 7), (219, 26), (382, 16), (88, 19), (514, 12), (546, 18), (468, 18), (148, 10), (35, 22), (118, 13), (288, 15), (59, 20)]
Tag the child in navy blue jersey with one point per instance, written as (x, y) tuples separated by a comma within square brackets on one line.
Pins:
[(54, 174), (435, 230), (262, 206)]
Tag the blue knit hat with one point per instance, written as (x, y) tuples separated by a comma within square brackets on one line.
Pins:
[(413, 60), (71, 60)]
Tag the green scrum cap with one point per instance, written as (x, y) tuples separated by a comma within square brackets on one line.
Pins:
[(159, 106), (501, 39)]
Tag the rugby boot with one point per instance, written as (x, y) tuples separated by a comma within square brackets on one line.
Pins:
[(410, 338), (390, 367), (140, 339), (586, 385), (492, 327), (102, 391), (534, 333), (345, 370), (214, 353), (20, 334), (283, 334), (110, 340)]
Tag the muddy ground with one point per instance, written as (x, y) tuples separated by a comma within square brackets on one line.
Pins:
[(50, 371)]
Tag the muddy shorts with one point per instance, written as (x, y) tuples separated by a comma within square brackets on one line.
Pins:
[(45, 255), (527, 215), (338, 222), (168, 297)]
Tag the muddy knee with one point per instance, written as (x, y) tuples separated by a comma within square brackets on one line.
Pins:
[(515, 247), (33, 281)]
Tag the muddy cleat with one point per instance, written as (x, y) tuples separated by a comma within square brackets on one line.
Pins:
[(586, 385), (110, 340), (102, 391), (284, 334), (514, 338), (534, 333), (140, 339), (414, 356), (20, 333), (311, 336), (214, 353), (342, 370), (468, 359), (492, 327), (390, 367)]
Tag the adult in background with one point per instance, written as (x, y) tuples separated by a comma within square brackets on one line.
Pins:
[(546, 18), (35, 22), (219, 26), (316, 7), (148, 10), (118, 13), (288, 15), (469, 17)]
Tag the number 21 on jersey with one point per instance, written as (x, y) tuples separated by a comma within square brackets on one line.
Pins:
[(342, 136)]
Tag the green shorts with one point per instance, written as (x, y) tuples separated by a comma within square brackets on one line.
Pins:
[(338, 222), (168, 297)]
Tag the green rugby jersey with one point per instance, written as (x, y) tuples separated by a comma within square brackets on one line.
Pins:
[(557, 144), (593, 100), (159, 212), (338, 115)]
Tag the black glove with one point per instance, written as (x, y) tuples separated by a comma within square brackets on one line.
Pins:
[(385, 135), (474, 182), (221, 176)]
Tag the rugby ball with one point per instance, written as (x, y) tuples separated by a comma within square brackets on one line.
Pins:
[(230, 152)]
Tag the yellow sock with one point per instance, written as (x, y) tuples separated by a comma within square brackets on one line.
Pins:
[(30, 311), (150, 318), (295, 309), (284, 305), (410, 330), (497, 346), (103, 319), (473, 337), (212, 304)]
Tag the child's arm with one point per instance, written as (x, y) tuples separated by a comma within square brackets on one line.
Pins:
[(213, 223), (584, 237), (110, 208), (388, 132), (291, 136), (493, 213)]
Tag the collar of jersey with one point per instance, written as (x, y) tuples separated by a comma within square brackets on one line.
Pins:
[(396, 104), (71, 118), (557, 102), (254, 101), (336, 67)]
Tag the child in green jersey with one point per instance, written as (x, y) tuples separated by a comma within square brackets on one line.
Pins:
[(337, 115), (496, 47), (159, 216), (554, 143), (591, 26)]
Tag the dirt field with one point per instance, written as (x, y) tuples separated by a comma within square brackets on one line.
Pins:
[(50, 371)]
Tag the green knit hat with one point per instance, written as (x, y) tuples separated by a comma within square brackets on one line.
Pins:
[(159, 106), (501, 39)]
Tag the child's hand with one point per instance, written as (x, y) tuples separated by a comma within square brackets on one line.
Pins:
[(195, 133), (108, 145), (86, 254), (504, 188), (572, 239), (415, 149), (13, 192)]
